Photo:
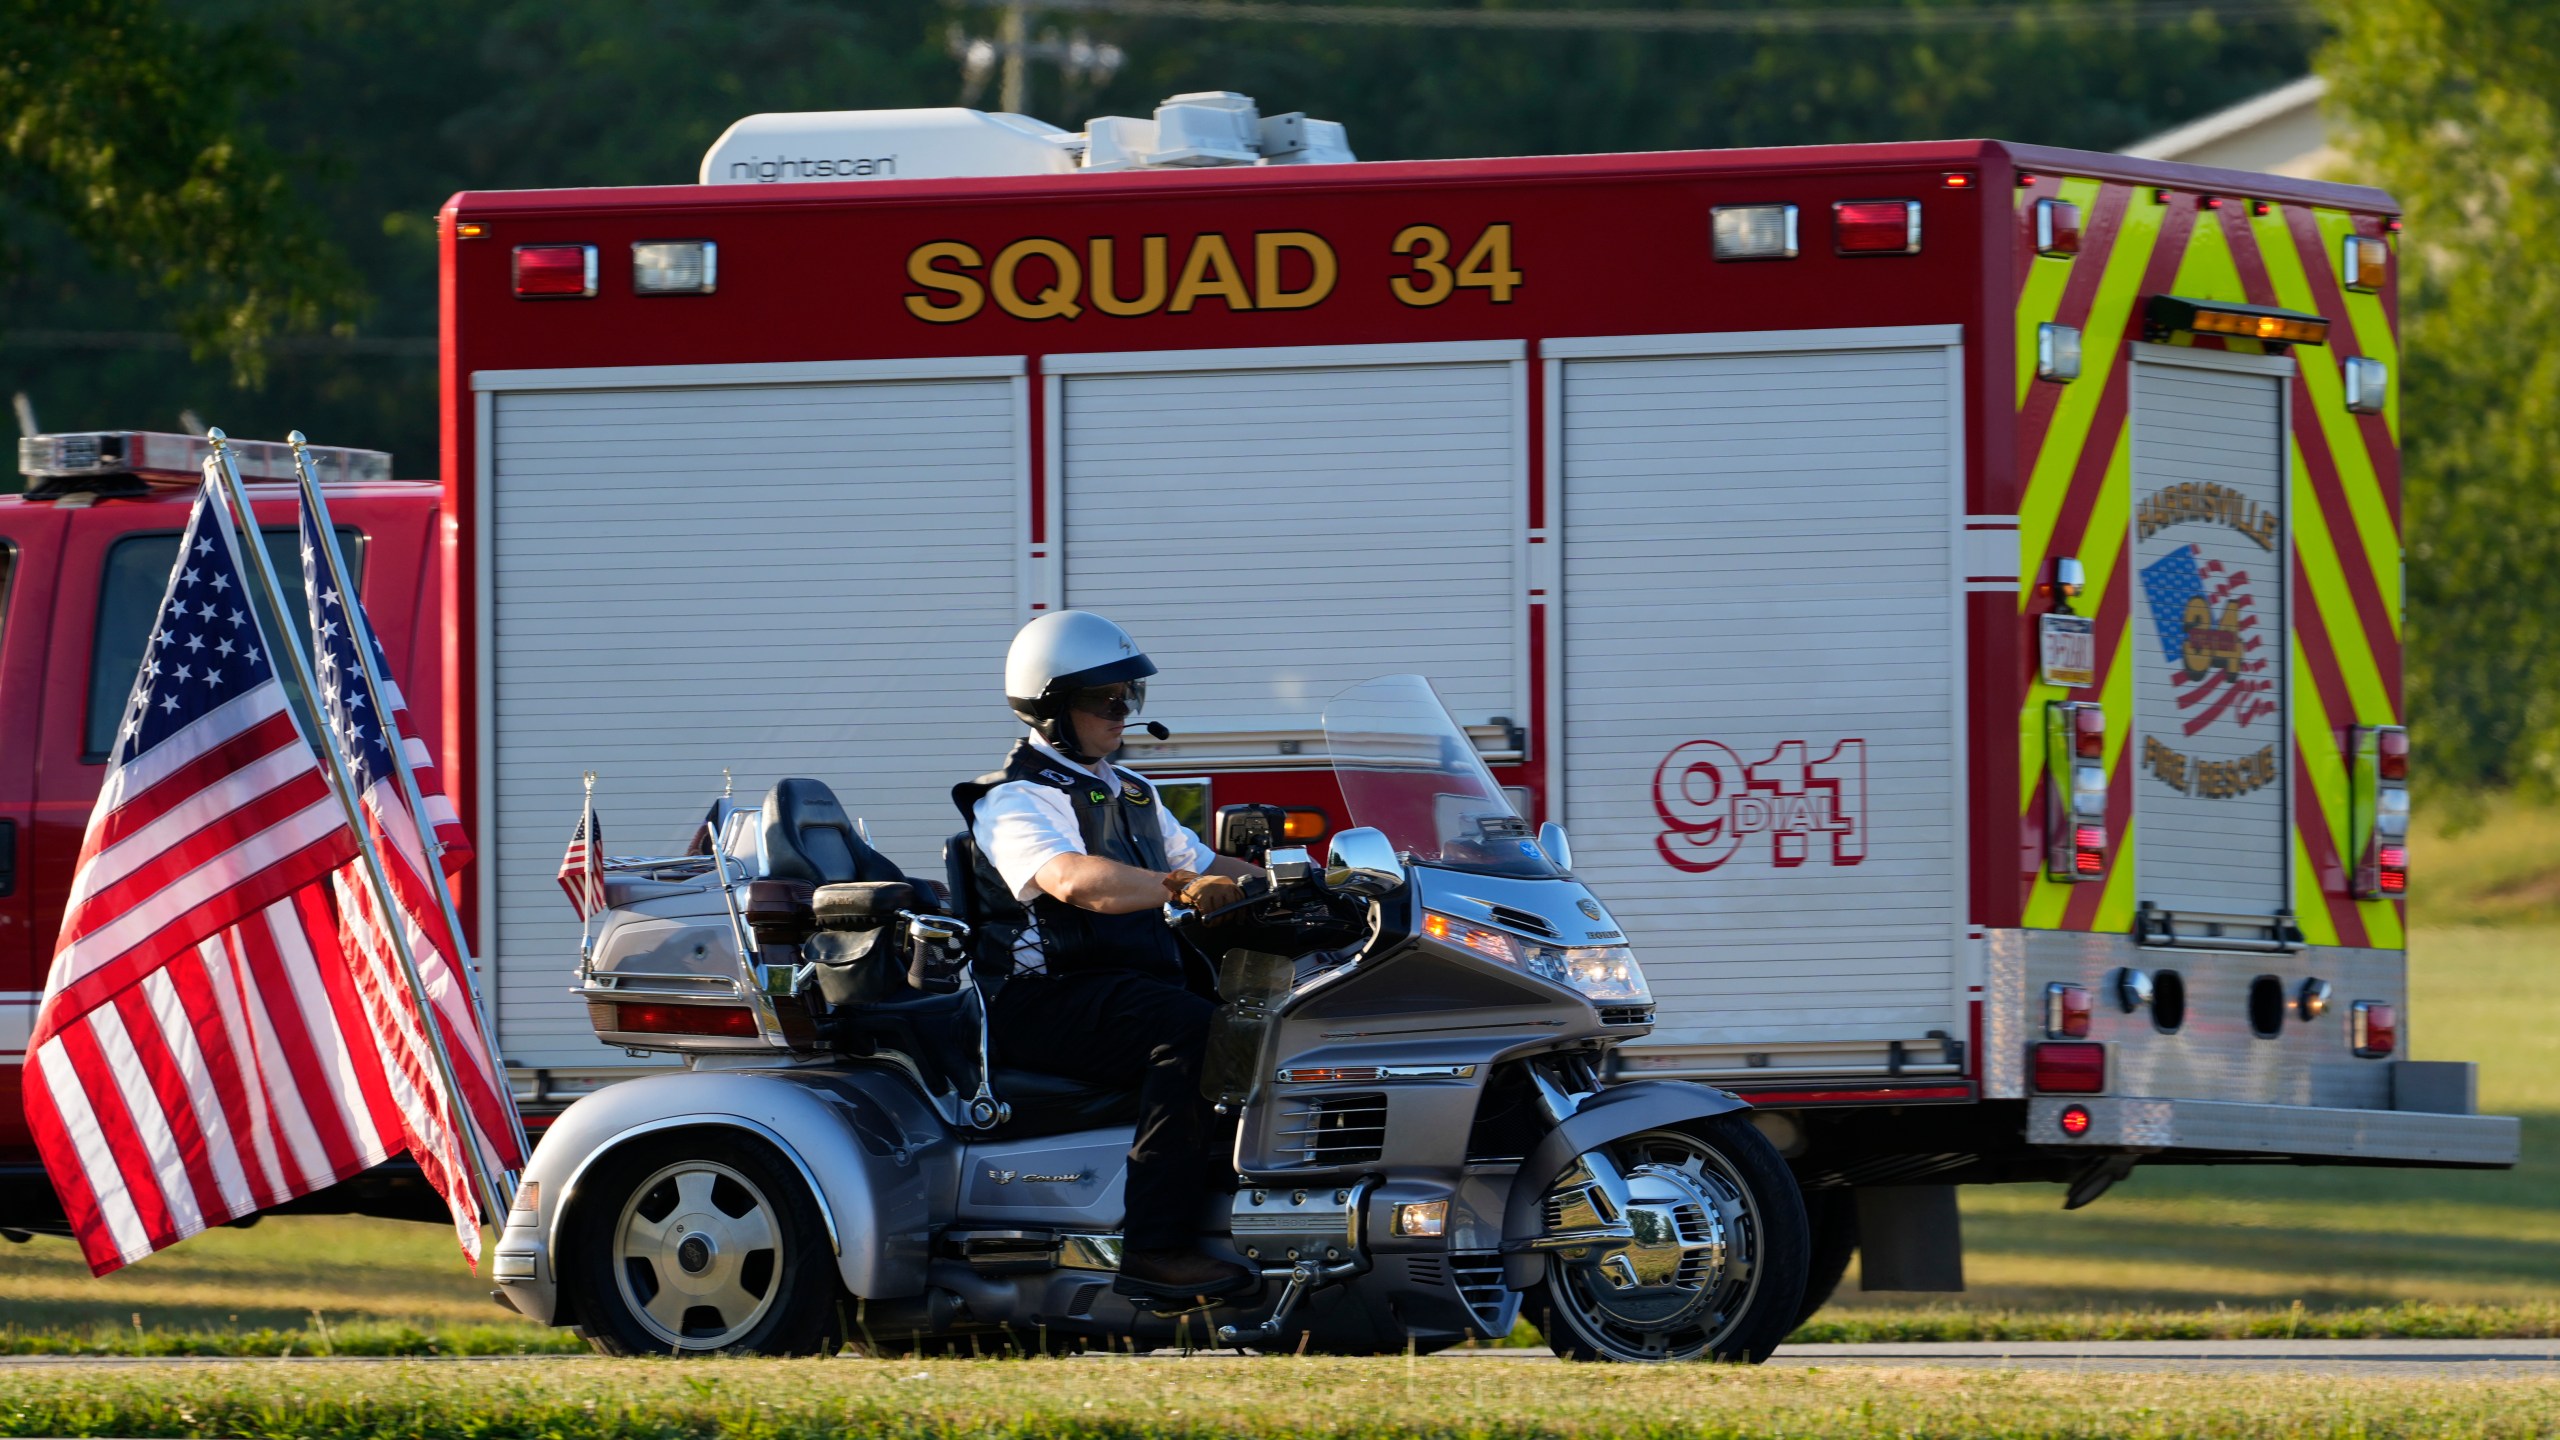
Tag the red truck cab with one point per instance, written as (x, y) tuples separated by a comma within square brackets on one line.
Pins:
[(84, 560)]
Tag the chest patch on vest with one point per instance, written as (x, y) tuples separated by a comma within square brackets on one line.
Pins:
[(1134, 793)]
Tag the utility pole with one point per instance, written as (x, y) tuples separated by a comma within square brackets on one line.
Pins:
[(1013, 33), (1084, 64)]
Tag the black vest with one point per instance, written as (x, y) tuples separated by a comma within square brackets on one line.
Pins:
[(1117, 825)]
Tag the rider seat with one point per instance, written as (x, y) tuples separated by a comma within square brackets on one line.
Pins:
[(1043, 1104)]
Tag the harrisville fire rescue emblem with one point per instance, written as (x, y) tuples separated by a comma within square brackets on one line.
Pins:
[(2221, 689)]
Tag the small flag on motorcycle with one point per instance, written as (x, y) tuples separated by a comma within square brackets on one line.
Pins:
[(582, 869)]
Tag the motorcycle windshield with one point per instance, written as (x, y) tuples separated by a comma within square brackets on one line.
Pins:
[(1407, 769)]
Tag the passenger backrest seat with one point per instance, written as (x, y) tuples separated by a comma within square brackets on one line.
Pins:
[(808, 837)]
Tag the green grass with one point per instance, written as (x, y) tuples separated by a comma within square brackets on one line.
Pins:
[(276, 1276), (1271, 1399), (2172, 1252)]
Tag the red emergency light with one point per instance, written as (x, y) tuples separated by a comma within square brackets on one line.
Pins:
[(2074, 1120), (2071, 1067), (555, 272), (1876, 227)]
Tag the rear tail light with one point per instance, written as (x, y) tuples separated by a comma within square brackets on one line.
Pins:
[(2057, 227), (2076, 791), (2378, 810), (2391, 870), (2075, 1120), (1876, 227), (2363, 263), (1754, 232), (2071, 1067), (2067, 1009), (555, 272), (675, 267), (735, 1020), (2373, 1028)]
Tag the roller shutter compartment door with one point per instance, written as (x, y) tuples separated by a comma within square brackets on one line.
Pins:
[(1762, 682), (806, 580), (1273, 537), (2208, 749)]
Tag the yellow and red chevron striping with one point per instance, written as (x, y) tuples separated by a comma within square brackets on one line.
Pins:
[(2073, 451)]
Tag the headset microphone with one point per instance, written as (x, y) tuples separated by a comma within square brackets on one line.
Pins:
[(1156, 728)]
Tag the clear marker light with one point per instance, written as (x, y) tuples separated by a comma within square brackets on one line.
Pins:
[(1754, 232), (675, 267)]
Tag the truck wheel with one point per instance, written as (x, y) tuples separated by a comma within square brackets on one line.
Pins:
[(1833, 1215), (696, 1242), (1717, 1269)]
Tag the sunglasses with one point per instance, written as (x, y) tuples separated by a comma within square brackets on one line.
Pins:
[(1110, 702)]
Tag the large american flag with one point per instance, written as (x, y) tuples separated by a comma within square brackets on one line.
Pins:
[(2172, 583), (200, 1053), (363, 725)]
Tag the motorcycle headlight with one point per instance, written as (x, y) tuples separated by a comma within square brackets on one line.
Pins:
[(1600, 972)]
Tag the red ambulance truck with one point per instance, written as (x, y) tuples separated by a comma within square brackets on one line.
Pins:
[(1950, 592)]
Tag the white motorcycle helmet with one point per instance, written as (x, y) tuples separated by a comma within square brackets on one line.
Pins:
[(1059, 654)]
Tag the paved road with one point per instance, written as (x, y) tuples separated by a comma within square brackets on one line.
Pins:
[(2457, 1359), (2436, 1358)]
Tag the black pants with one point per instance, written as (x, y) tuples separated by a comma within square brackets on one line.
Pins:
[(1121, 1028)]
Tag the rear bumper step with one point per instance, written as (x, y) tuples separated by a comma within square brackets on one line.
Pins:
[(2224, 1127)]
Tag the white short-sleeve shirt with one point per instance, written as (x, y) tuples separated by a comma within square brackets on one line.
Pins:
[(1021, 825)]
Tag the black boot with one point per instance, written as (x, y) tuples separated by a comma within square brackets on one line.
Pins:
[(1180, 1274)]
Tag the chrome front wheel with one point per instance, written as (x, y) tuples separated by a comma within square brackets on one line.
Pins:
[(1713, 1264)]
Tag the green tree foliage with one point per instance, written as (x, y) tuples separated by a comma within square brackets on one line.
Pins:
[(118, 126), (2454, 106)]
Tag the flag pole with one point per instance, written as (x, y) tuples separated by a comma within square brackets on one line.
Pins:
[(362, 625), (253, 550), (593, 861)]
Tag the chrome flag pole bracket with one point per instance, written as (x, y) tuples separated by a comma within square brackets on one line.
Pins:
[(375, 686), (253, 550)]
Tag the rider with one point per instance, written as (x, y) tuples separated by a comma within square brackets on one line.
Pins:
[(1080, 855)]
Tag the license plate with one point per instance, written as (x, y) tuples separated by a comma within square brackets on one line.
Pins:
[(2070, 651)]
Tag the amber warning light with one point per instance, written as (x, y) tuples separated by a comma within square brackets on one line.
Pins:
[(2172, 315)]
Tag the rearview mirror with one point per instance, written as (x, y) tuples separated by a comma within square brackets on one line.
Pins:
[(1363, 862), (1246, 831), (1559, 849)]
